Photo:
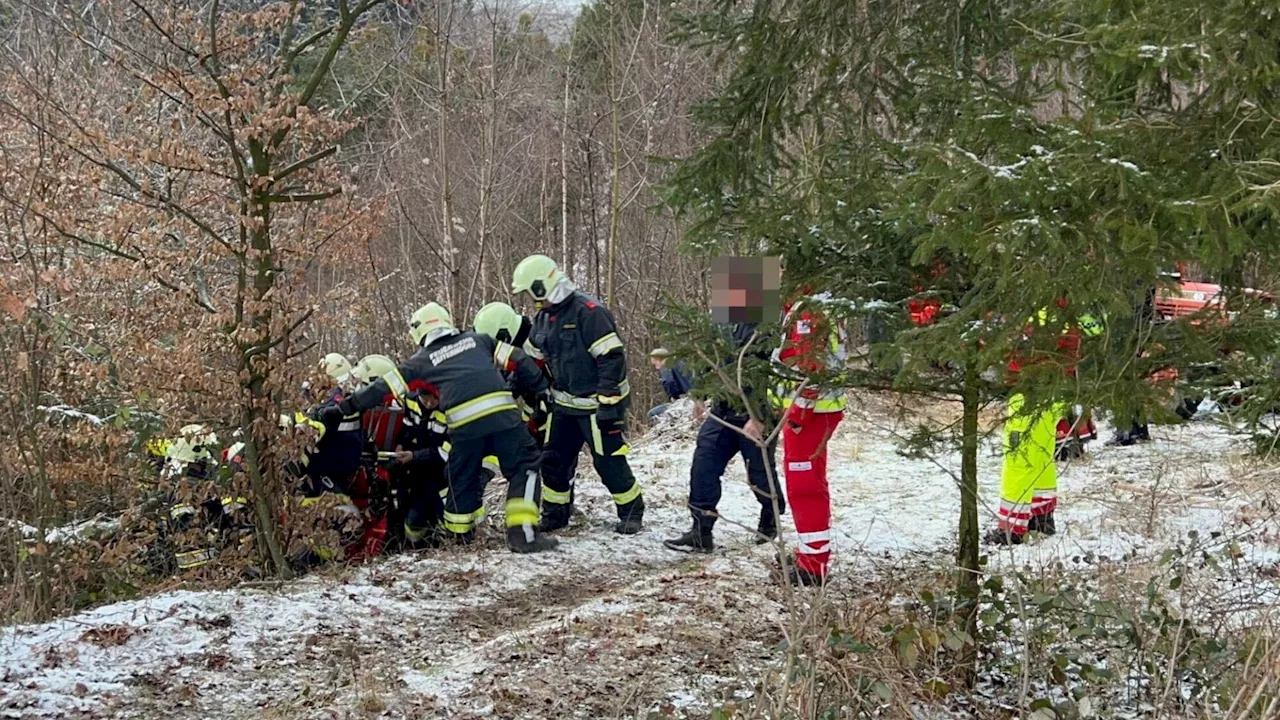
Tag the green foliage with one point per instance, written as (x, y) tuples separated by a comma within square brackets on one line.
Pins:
[(720, 369), (1039, 151)]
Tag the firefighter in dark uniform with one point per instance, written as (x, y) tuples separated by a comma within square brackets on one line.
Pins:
[(328, 470), (336, 457), (590, 393), (501, 322), (481, 415)]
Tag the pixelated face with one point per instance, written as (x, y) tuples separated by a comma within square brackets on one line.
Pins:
[(745, 289)]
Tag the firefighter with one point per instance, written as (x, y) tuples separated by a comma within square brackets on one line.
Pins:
[(501, 322), (329, 473), (481, 414), (812, 346), (188, 462), (415, 438), (729, 432), (589, 391), (332, 464)]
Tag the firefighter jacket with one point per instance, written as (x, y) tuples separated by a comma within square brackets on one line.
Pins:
[(460, 370), (584, 355), (426, 439), (341, 440), (524, 376)]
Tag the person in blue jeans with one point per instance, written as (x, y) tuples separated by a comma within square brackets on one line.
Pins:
[(675, 379)]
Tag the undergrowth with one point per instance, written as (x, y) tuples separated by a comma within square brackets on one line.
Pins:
[(1190, 633)]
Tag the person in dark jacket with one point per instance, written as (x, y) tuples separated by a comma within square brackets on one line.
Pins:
[(729, 432), (480, 412), (336, 457), (675, 379), (422, 476), (590, 393)]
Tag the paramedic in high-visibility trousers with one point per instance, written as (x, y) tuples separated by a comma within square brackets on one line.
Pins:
[(1029, 479), (812, 346)]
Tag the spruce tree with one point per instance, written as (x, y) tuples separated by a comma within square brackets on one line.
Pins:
[(1054, 157)]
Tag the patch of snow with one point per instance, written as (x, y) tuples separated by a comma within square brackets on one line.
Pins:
[(70, 412), (441, 633), (1124, 164)]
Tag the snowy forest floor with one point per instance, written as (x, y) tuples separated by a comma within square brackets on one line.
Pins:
[(608, 626)]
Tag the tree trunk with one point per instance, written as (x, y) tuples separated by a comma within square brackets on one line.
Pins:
[(564, 171), (256, 367), (968, 576), (446, 190), (615, 190)]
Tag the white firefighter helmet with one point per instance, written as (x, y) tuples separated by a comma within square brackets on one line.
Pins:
[(536, 275), (372, 367), (336, 366), (428, 319), (499, 321), (192, 444)]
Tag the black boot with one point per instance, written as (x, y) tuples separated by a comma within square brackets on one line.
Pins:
[(554, 516), (520, 542), (1141, 433), (767, 528), (1042, 524), (1001, 537), (1121, 439), (1069, 449), (630, 517), (786, 569), (697, 540), (798, 576), (460, 539)]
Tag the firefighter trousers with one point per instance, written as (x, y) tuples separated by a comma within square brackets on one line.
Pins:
[(422, 491), (804, 454), (717, 445), (517, 455), (565, 435)]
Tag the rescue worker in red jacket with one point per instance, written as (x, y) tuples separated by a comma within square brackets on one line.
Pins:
[(1029, 477), (812, 346)]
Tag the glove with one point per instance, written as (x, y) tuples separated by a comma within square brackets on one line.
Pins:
[(541, 411), (331, 414), (609, 417)]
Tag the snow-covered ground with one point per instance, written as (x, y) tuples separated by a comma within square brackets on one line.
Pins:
[(608, 626)]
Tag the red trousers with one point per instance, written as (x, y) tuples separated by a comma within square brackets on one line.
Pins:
[(804, 453)]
